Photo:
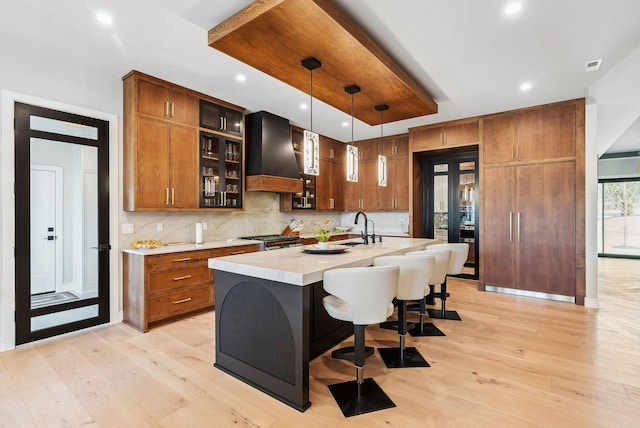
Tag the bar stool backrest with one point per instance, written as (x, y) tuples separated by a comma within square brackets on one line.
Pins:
[(414, 269), (442, 257), (459, 253), (367, 290)]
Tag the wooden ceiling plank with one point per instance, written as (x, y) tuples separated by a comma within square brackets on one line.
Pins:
[(274, 36)]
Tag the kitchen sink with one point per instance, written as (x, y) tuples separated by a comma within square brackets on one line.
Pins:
[(351, 244)]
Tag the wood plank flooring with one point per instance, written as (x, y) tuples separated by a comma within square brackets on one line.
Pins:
[(511, 362)]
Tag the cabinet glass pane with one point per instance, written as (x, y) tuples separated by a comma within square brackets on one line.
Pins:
[(440, 207)]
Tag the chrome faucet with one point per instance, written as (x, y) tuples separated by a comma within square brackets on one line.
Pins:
[(365, 234)]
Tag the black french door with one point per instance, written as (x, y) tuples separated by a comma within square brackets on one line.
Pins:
[(62, 222)]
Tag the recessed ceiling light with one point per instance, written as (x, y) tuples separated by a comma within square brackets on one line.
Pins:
[(512, 8), (525, 86), (241, 77), (345, 124), (104, 18), (304, 106)]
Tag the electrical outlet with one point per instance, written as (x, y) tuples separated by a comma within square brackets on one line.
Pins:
[(204, 225), (159, 227), (127, 228)]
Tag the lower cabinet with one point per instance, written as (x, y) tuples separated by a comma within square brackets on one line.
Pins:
[(163, 286)]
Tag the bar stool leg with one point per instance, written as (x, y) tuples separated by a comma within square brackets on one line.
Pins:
[(442, 313), (402, 356), (424, 329)]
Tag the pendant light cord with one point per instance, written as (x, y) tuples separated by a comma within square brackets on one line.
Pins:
[(311, 96), (352, 118)]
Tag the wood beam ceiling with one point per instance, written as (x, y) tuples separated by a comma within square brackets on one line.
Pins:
[(274, 36)]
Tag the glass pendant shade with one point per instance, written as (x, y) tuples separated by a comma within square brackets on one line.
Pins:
[(352, 151), (382, 160)]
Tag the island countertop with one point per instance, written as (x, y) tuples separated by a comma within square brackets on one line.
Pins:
[(293, 266)]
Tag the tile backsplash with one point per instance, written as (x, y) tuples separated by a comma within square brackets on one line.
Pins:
[(261, 216)]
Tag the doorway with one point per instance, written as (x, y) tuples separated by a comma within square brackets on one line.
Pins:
[(61, 222), (451, 203)]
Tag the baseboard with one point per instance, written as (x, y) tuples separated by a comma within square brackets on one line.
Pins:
[(591, 302), (535, 294)]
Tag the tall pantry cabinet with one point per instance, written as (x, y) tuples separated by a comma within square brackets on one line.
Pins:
[(532, 182)]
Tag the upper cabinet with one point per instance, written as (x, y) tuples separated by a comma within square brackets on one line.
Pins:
[(395, 195), (220, 118), (166, 101), (443, 136), (363, 194), (167, 161), (543, 133), (330, 182)]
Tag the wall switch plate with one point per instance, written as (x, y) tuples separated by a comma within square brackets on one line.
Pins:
[(127, 228), (159, 227), (204, 225)]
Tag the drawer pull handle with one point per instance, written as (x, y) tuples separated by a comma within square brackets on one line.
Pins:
[(177, 302), (186, 259), (180, 278), (237, 252)]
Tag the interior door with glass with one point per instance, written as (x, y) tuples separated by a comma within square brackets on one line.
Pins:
[(451, 203), (62, 217)]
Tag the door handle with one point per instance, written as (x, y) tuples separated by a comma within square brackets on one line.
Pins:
[(50, 238), (518, 221), (510, 227)]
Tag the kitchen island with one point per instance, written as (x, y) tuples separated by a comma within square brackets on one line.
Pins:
[(269, 317)]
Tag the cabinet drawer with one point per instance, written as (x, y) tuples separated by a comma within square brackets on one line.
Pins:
[(178, 260), (239, 249), (180, 302), (186, 276)]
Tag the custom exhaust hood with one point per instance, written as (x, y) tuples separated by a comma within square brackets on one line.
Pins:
[(271, 164)]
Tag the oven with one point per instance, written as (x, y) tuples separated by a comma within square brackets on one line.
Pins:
[(274, 242)]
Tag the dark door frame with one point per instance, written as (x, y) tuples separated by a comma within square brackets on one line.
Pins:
[(452, 199), (23, 135)]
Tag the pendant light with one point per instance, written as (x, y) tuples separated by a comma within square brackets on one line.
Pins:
[(352, 151), (382, 160), (311, 139)]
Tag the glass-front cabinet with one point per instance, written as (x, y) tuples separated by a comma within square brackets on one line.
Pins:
[(220, 171), (220, 118)]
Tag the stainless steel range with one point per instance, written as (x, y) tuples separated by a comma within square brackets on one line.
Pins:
[(273, 242)]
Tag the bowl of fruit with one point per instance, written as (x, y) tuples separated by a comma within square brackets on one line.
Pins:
[(146, 244)]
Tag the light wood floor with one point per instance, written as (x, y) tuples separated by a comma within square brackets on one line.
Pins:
[(511, 362)]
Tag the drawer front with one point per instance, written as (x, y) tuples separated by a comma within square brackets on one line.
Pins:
[(178, 260), (163, 280), (240, 249), (180, 302)]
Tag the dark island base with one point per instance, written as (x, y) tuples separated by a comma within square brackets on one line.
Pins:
[(267, 332)]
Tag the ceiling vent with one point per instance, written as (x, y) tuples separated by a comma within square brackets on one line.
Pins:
[(593, 65)]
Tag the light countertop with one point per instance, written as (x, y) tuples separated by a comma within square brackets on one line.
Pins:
[(293, 266), (166, 249)]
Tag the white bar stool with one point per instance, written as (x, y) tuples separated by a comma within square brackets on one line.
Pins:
[(362, 296), (438, 276), (459, 253), (411, 286)]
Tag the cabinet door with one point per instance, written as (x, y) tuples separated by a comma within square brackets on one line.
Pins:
[(427, 139), (462, 135), (324, 188), (153, 99), (369, 177), (546, 247), (152, 164), (499, 139), (183, 155), (499, 216), (546, 134), (183, 107), (400, 177)]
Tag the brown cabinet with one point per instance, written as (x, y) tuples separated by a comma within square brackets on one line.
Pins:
[(330, 183), (363, 194), (395, 195), (537, 134), (163, 175), (163, 286), (529, 227), (166, 101), (161, 150), (454, 134)]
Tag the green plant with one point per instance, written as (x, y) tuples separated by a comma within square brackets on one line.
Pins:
[(323, 235)]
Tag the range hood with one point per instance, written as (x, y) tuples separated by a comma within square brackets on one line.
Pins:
[(271, 164)]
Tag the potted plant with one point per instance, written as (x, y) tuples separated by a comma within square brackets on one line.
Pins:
[(323, 235)]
